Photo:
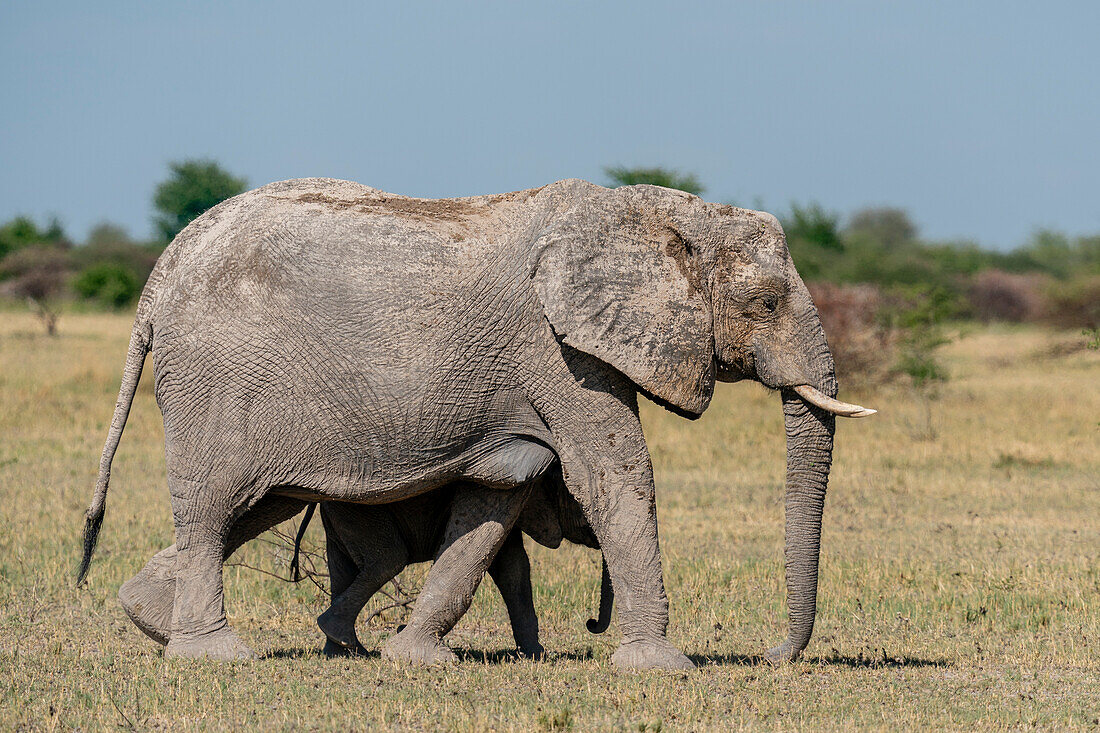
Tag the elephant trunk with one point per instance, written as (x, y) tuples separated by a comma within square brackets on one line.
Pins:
[(607, 600), (809, 415), (809, 456)]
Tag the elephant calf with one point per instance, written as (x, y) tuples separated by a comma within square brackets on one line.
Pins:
[(368, 545)]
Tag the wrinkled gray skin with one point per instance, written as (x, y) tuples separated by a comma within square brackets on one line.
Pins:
[(369, 545), (322, 340)]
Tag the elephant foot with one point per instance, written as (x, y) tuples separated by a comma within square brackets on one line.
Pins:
[(339, 631), (650, 655), (532, 651), (148, 597), (782, 654), (222, 645), (417, 649), (335, 650)]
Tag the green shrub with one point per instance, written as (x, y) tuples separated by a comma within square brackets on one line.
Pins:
[(22, 232), (919, 313), (1075, 303), (112, 285), (138, 259), (623, 176)]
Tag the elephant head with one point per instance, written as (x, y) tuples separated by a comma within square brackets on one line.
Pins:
[(676, 293)]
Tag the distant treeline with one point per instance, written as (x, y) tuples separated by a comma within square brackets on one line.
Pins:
[(882, 247), (873, 261)]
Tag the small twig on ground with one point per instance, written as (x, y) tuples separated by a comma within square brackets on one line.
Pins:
[(281, 543), (129, 723)]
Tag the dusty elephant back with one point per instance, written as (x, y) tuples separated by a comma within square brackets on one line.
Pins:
[(315, 329)]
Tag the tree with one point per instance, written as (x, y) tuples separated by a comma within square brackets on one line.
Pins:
[(622, 176), (22, 232), (883, 226), (193, 187), (106, 233), (37, 274)]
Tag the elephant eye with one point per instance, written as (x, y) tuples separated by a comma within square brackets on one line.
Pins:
[(765, 305)]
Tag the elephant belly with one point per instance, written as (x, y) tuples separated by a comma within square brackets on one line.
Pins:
[(513, 462), (500, 462)]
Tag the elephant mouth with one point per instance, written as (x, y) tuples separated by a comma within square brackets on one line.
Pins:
[(723, 374), (742, 368), (841, 409)]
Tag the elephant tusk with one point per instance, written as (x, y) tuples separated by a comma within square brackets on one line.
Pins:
[(819, 399)]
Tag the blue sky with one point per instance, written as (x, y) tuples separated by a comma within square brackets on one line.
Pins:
[(980, 118)]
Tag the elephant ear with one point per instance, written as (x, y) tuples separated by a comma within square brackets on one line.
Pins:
[(618, 281)]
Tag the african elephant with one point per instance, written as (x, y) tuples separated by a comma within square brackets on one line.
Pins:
[(369, 545), (322, 340)]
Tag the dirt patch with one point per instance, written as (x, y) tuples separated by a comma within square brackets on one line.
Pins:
[(437, 209), (451, 210)]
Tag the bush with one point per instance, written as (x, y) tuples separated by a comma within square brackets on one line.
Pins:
[(22, 232), (887, 227), (877, 334), (138, 259), (996, 295), (112, 285), (623, 176), (813, 239), (918, 314), (860, 341), (1074, 304)]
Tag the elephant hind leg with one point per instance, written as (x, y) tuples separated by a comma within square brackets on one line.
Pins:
[(149, 596), (204, 516)]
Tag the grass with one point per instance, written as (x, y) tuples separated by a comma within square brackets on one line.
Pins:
[(960, 584)]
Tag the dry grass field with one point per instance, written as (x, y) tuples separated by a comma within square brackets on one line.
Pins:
[(960, 575)]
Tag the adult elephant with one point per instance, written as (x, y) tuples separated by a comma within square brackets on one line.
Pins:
[(318, 339)]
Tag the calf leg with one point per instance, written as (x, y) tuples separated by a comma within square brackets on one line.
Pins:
[(365, 551), (511, 572), (480, 520)]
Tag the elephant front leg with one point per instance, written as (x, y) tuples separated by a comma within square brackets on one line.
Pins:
[(480, 520), (606, 467), (621, 509), (511, 572)]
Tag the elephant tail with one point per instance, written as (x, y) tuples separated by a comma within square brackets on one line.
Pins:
[(141, 341), (607, 600), (295, 563)]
